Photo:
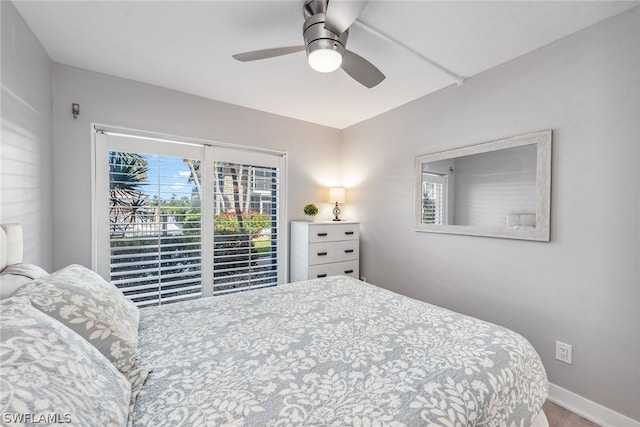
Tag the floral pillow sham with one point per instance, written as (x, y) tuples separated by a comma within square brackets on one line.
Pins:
[(93, 308), (52, 375)]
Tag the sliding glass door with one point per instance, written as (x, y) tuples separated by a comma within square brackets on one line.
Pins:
[(176, 220), (246, 238)]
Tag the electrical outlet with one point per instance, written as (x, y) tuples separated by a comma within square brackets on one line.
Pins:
[(563, 352)]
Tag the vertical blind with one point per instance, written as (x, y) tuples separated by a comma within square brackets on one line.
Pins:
[(179, 222)]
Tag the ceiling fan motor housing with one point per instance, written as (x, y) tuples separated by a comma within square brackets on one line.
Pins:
[(316, 36)]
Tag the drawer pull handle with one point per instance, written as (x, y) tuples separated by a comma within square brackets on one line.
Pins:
[(348, 233), (348, 271), (322, 253), (348, 251), (322, 234), (321, 275)]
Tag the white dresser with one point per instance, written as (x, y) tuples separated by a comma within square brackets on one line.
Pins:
[(324, 248)]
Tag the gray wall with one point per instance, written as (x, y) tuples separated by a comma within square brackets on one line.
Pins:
[(312, 149), (583, 287), (26, 137), (489, 186)]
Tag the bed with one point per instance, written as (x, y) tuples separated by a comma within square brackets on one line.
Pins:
[(332, 351)]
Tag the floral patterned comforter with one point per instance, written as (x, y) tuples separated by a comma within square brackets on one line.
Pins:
[(332, 351)]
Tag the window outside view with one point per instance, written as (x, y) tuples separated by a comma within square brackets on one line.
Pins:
[(156, 227), (433, 199)]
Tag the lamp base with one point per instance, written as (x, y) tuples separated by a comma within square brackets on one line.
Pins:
[(336, 213)]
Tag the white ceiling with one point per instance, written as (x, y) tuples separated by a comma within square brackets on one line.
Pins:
[(187, 46)]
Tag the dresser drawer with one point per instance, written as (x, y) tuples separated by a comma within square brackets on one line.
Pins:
[(321, 249), (333, 232), (323, 253), (347, 268)]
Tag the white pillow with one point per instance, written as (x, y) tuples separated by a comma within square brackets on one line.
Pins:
[(15, 276), (10, 283), (31, 271)]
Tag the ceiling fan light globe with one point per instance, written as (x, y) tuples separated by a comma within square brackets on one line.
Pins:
[(325, 60)]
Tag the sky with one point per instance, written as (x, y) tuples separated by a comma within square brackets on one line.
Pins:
[(167, 176)]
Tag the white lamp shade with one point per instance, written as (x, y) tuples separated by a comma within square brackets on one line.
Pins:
[(336, 194), (325, 60)]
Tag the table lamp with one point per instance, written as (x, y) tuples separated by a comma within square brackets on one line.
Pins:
[(336, 194)]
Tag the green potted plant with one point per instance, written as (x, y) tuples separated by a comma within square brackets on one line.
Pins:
[(310, 211)]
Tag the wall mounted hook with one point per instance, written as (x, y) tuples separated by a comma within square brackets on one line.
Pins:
[(75, 110)]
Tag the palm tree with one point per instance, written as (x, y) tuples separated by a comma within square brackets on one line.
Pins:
[(194, 169), (128, 204)]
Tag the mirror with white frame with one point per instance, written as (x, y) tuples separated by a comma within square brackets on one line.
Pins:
[(495, 189)]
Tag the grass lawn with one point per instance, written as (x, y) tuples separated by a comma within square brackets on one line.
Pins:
[(262, 246)]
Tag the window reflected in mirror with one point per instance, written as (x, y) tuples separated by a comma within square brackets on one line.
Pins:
[(434, 198)]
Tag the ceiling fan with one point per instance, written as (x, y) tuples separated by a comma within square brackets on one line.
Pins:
[(325, 31)]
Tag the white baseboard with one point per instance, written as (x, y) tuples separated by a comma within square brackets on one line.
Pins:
[(590, 410)]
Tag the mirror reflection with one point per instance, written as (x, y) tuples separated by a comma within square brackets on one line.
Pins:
[(497, 189)]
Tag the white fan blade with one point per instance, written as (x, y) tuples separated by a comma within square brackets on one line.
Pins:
[(342, 13)]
